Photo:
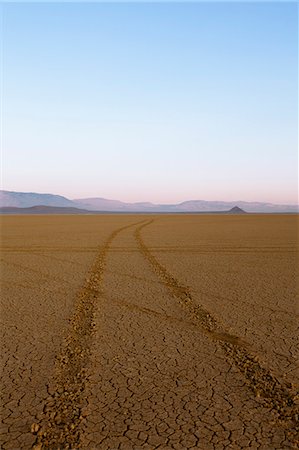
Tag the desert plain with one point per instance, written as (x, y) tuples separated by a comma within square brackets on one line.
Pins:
[(149, 331)]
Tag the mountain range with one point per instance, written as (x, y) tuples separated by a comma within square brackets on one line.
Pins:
[(32, 199)]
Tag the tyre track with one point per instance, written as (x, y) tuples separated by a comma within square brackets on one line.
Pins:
[(160, 382), (59, 426), (276, 394)]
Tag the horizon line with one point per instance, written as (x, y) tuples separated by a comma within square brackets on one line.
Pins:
[(154, 203)]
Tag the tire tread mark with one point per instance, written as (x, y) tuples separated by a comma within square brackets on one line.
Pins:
[(280, 397), (61, 422)]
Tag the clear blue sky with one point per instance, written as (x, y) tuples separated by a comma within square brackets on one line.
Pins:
[(155, 102)]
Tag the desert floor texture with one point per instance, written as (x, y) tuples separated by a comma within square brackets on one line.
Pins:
[(147, 332)]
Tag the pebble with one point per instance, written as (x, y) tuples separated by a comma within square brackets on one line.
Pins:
[(34, 428)]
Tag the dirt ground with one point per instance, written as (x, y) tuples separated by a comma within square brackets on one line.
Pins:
[(145, 332)]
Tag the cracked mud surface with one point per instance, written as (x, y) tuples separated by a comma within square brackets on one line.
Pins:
[(244, 271), (44, 262), (109, 344)]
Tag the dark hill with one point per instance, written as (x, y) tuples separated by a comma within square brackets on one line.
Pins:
[(236, 210)]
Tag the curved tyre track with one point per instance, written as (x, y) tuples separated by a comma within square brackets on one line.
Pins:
[(278, 396), (157, 379), (60, 425)]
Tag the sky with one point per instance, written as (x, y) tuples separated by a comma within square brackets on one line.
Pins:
[(160, 102)]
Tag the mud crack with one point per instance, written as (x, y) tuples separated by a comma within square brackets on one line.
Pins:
[(274, 394), (59, 427)]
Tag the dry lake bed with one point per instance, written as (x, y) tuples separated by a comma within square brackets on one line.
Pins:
[(147, 332)]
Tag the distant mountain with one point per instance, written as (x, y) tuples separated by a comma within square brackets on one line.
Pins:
[(236, 210), (25, 200), (209, 206), (40, 209), (103, 204)]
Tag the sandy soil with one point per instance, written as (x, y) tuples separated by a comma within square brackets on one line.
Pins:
[(143, 332)]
